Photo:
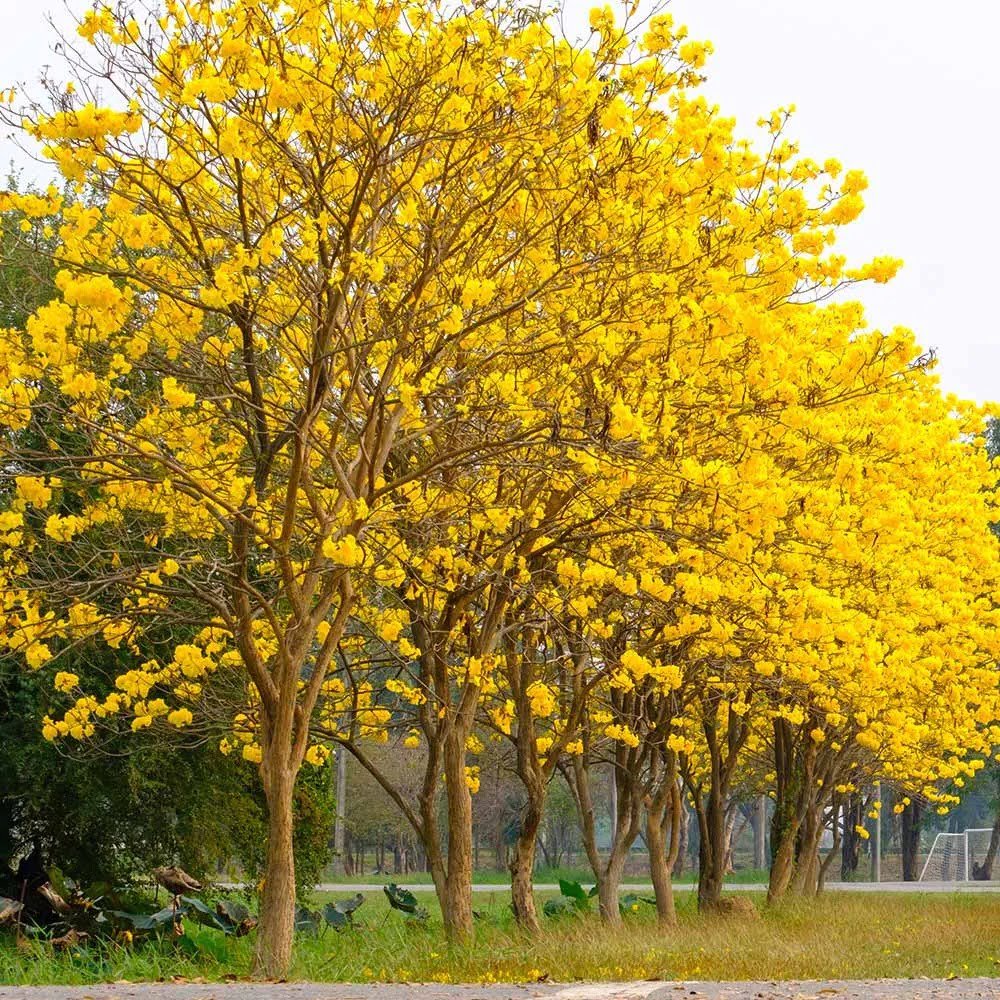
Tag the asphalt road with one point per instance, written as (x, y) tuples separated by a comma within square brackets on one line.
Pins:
[(885, 989)]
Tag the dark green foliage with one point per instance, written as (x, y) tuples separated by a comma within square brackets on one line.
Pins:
[(315, 811), (307, 921), (576, 892), (405, 901), (340, 915), (574, 899), (60, 912), (113, 813), (27, 274), (558, 907)]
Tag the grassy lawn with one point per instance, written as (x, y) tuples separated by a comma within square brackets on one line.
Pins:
[(838, 936)]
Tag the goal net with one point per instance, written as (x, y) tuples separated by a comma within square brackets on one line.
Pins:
[(958, 857)]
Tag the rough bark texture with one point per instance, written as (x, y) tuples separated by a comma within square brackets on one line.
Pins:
[(910, 841), (759, 826), (608, 882), (724, 742), (273, 953), (806, 878), (796, 826), (782, 866), (457, 897), (663, 813), (711, 815), (522, 865)]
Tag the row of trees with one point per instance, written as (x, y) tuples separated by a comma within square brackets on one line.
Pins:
[(417, 376)]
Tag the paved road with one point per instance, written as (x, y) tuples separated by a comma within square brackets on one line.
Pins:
[(886, 989), (353, 887)]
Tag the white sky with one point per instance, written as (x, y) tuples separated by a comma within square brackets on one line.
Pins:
[(907, 90)]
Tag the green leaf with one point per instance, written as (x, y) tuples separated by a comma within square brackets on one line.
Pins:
[(204, 914), (97, 891), (572, 890), (231, 910), (62, 884), (348, 906), (142, 923), (340, 913), (557, 907), (401, 899), (307, 921), (188, 945), (575, 893), (337, 920)]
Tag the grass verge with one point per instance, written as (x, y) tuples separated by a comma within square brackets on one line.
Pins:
[(838, 936)]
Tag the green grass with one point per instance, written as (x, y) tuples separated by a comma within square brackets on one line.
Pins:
[(841, 935)]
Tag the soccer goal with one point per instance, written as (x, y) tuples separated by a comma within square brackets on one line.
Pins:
[(956, 857)]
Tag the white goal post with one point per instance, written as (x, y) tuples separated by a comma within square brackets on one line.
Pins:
[(953, 856)]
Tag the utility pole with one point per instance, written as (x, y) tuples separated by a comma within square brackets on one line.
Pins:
[(760, 841), (340, 826)]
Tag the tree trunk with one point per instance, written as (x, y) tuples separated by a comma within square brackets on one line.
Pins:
[(685, 823), (522, 865), (629, 803), (663, 810), (851, 851), (711, 849), (834, 849), (456, 902), (806, 878), (797, 815), (273, 953), (608, 882), (543, 843), (783, 863), (521, 889), (732, 835), (910, 841)]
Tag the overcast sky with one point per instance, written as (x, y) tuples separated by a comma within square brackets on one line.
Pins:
[(907, 90)]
